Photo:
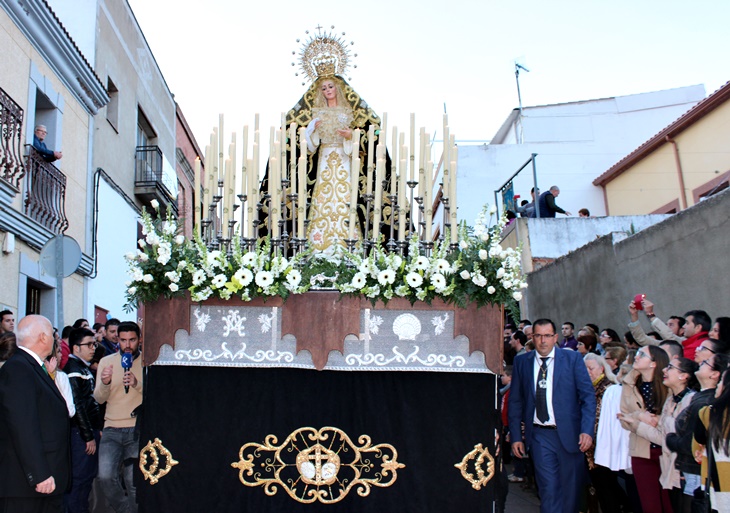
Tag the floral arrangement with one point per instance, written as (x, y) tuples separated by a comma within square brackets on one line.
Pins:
[(481, 271)]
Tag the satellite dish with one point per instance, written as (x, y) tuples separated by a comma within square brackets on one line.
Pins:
[(61, 256)]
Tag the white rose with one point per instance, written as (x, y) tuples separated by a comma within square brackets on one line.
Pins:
[(492, 210), (517, 296), (143, 257), (500, 273), (141, 243), (465, 274), (132, 291), (147, 278), (174, 287), (479, 280), (155, 204), (179, 239), (463, 244), (130, 256), (491, 290), (483, 254)]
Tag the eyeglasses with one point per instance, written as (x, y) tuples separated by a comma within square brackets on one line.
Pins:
[(643, 355), (94, 344), (670, 366), (608, 358), (704, 348), (706, 362), (538, 336)]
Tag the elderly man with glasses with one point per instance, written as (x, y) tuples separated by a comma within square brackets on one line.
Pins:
[(88, 421)]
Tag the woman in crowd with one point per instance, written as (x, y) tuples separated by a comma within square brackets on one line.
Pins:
[(7, 346), (60, 378), (604, 480), (609, 338), (615, 356), (642, 394), (708, 374), (587, 341), (721, 329), (713, 431)]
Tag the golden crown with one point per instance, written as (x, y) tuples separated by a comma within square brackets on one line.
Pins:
[(324, 54)]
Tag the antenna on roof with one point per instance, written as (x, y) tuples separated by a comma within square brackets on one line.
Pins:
[(518, 67)]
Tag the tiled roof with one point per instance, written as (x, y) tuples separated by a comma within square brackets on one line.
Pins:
[(686, 120)]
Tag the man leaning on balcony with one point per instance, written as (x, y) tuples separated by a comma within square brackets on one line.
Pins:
[(40, 146)]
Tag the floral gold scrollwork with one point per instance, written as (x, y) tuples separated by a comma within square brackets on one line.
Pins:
[(154, 450), (474, 460), (318, 465)]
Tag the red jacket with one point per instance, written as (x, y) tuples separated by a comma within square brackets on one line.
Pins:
[(691, 343)]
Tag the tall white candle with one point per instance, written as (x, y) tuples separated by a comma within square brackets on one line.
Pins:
[(371, 160), (231, 191), (452, 201), (393, 161), (226, 197), (250, 204), (244, 162), (402, 197), (221, 145), (379, 170), (196, 196), (412, 167), (428, 201)]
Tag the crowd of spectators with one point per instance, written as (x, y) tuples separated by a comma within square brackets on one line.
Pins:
[(661, 438), (102, 395)]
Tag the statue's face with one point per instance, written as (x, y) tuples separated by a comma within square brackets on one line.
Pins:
[(329, 89)]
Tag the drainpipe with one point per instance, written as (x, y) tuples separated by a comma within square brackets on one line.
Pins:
[(680, 173)]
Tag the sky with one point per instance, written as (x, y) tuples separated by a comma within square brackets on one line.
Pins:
[(235, 57)]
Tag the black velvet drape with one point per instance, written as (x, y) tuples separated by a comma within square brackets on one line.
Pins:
[(204, 415)]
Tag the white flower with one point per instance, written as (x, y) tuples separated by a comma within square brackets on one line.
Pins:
[(523, 285), (163, 258), (130, 256), (155, 204), (491, 290), (174, 287), (483, 254), (442, 266), (438, 281), (517, 295), (173, 276), (500, 272), (213, 258), (386, 277), (422, 263), (465, 274), (143, 257), (141, 243), (169, 228), (218, 281), (153, 239), (244, 276), (127, 283), (202, 295), (249, 258), (359, 280), (264, 279), (137, 274), (364, 266), (132, 291), (147, 278), (179, 239), (413, 279), (182, 264), (463, 244), (397, 261), (507, 284), (492, 210), (198, 277), (294, 277), (484, 236), (479, 280)]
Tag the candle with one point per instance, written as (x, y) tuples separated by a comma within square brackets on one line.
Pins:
[(251, 205), (213, 175), (393, 161), (302, 172), (371, 159), (273, 205), (402, 197), (226, 197), (221, 144), (413, 147), (384, 128), (355, 164), (428, 202), (454, 220), (293, 156), (244, 162), (196, 196), (354, 174), (379, 168), (206, 182)]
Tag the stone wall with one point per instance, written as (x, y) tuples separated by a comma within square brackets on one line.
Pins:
[(680, 264)]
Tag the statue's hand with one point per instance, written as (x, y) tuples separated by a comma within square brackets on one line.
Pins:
[(346, 133), (317, 123)]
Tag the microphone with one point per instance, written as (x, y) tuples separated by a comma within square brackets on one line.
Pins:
[(127, 360)]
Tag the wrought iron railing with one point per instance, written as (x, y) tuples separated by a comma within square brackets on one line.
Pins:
[(46, 197), (11, 133)]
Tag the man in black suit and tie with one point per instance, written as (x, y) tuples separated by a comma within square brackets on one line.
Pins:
[(34, 426), (553, 396)]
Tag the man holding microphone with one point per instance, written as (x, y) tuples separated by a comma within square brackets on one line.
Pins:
[(120, 387)]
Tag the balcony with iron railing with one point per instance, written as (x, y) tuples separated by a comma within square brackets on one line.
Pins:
[(151, 182), (45, 200), (11, 137)]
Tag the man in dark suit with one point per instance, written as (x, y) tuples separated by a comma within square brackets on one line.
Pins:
[(34, 426), (553, 396)]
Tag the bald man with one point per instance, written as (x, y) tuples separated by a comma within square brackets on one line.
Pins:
[(34, 426)]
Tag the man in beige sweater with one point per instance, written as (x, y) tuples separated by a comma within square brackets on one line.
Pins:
[(122, 392)]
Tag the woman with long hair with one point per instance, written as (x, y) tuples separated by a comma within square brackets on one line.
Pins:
[(642, 395), (609, 337), (713, 433), (721, 329), (708, 375)]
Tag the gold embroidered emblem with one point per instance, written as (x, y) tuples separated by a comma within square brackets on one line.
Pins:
[(154, 450), (475, 459), (317, 465)]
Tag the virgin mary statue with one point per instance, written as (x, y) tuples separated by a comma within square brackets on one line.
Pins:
[(330, 110)]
